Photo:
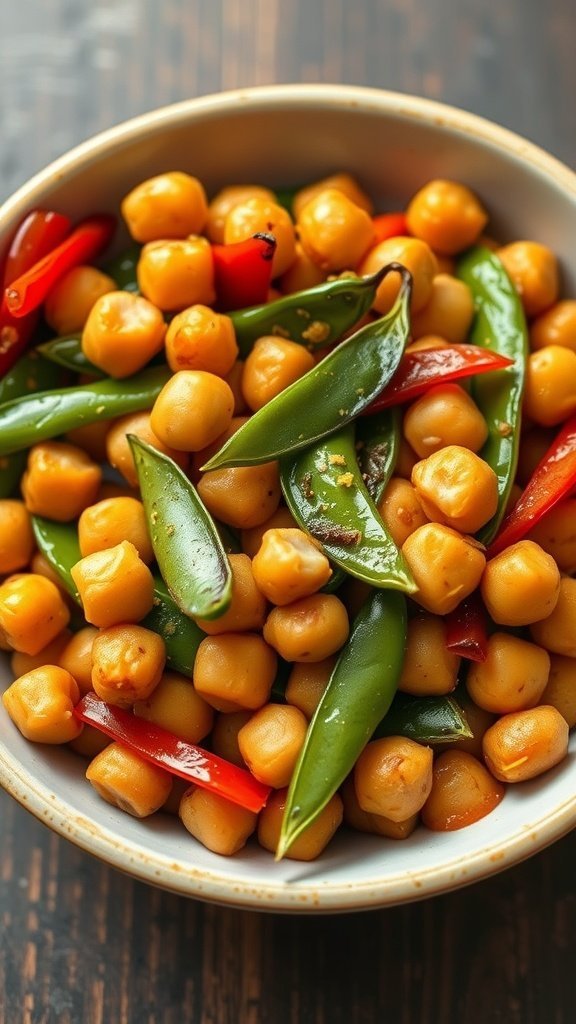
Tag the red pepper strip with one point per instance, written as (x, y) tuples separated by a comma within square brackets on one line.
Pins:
[(466, 629), (82, 245), (165, 750), (243, 271), (553, 479), (420, 371), (389, 225)]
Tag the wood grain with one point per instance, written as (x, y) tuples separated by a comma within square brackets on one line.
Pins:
[(80, 943)]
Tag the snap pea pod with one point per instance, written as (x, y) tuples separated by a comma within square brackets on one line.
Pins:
[(425, 719), (357, 697), (188, 549), (377, 445), (315, 317), (499, 325), (67, 351), (123, 269), (58, 542), (25, 421), (325, 492), (330, 395)]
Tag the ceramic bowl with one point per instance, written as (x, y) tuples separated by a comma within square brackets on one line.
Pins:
[(289, 135)]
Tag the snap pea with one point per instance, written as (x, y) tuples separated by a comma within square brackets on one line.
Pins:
[(329, 395), (377, 445), (425, 719), (188, 549), (358, 695), (325, 492), (123, 269), (58, 542), (25, 421), (67, 351), (499, 325)]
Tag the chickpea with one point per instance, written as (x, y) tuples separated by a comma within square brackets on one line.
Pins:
[(171, 205), (234, 380), (445, 565), (91, 438), (550, 392), (41, 705), (109, 522), (427, 343), (127, 664), (534, 445), (272, 365), (217, 823), (334, 232), (122, 333), (520, 585), (444, 416), (393, 777), (289, 565), (309, 629), (456, 488), (108, 489), (235, 671), (32, 613), (533, 269), (261, 215), (413, 254), (401, 510), (40, 566), (199, 339), (69, 302), (448, 312), (513, 676), (226, 200), (175, 273), (118, 449), (224, 739), (307, 682), (16, 536), (556, 533), (175, 706), (560, 691), (557, 326), (114, 585), (247, 610), (199, 459), (281, 519), (271, 741), (76, 657), (429, 668), (407, 459), (342, 182), (377, 824), (192, 409), (462, 792), (521, 746), (312, 840), (60, 481), (479, 721), (446, 215), (127, 781), (50, 655), (89, 742), (557, 633), (242, 497), (303, 273)]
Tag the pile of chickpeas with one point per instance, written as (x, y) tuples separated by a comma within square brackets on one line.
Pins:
[(520, 702)]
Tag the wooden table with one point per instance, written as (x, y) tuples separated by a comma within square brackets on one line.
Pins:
[(80, 943)]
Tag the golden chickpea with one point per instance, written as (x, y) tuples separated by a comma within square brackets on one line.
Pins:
[(32, 613), (281, 519), (70, 300), (217, 823), (445, 415), (76, 657), (334, 232), (111, 521), (175, 706), (407, 459), (557, 326), (429, 668), (342, 182), (199, 459), (41, 705), (479, 721), (312, 840), (413, 254), (462, 792), (16, 536), (175, 273), (289, 565), (448, 312), (427, 343), (200, 339), (261, 215), (534, 444), (247, 610), (192, 409), (513, 676), (60, 481), (127, 664), (272, 365), (21, 663), (122, 333), (556, 533), (393, 777), (533, 269), (520, 585), (235, 671), (91, 438), (557, 633), (89, 742), (303, 273), (309, 629), (401, 510), (242, 497), (456, 488), (271, 741), (445, 565), (447, 215), (171, 205), (226, 200), (307, 682), (127, 781), (40, 565), (560, 689), (118, 450), (114, 585), (234, 380), (377, 824), (550, 392), (224, 738), (521, 746)]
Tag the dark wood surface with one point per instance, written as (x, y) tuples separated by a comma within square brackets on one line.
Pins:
[(80, 943)]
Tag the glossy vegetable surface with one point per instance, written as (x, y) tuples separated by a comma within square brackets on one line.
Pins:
[(377, 446), (425, 719), (67, 351), (243, 271), (467, 629)]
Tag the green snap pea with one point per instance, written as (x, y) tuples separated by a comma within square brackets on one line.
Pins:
[(123, 269), (188, 549), (325, 492), (58, 542), (378, 444), (67, 351), (425, 719), (500, 325), (329, 395), (25, 421), (357, 697)]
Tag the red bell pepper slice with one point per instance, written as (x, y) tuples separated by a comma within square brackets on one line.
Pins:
[(243, 271), (553, 479), (466, 629), (87, 240), (420, 371), (389, 225), (176, 756)]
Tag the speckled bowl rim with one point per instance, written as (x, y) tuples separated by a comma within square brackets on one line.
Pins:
[(400, 886)]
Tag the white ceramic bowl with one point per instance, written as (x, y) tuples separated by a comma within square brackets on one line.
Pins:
[(289, 135)]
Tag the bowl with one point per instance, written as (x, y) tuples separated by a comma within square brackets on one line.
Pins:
[(286, 135)]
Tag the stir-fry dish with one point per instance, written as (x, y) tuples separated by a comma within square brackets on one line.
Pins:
[(288, 507)]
